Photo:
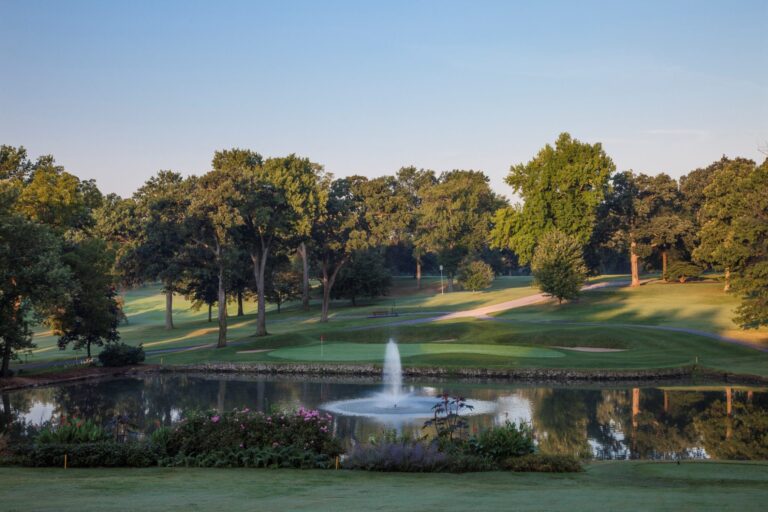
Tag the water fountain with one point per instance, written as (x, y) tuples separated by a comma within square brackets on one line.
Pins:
[(393, 404)]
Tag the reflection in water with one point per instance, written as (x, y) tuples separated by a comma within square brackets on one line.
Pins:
[(608, 423)]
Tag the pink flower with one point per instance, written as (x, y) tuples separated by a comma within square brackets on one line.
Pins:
[(215, 419)]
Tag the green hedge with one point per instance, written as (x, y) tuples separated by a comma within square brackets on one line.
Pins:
[(90, 455)]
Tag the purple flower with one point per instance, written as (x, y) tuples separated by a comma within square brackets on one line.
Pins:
[(215, 419)]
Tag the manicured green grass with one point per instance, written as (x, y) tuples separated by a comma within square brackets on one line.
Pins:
[(374, 352), (619, 485), (532, 336), (696, 305)]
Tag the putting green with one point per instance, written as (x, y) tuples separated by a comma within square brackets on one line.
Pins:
[(375, 351)]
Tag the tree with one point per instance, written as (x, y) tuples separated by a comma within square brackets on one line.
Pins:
[(725, 200), (339, 231), (57, 198), (157, 255), (284, 282), (211, 220), (562, 187), (639, 215), (14, 163), (32, 278), (751, 233), (277, 200), (475, 275), (364, 276), (456, 217), (91, 314), (558, 265), (412, 184)]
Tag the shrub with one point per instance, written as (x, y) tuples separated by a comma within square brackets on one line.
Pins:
[(89, 455), (500, 443), (244, 437), (120, 354), (558, 265), (415, 457), (72, 431), (683, 270), (543, 463), (475, 276)]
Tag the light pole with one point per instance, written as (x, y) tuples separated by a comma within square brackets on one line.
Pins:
[(442, 289)]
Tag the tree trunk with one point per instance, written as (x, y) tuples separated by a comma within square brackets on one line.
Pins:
[(168, 308), (278, 306), (210, 313), (88, 349), (302, 250), (633, 258), (259, 268), (727, 286), (240, 311), (222, 341), (5, 370), (418, 273), (327, 285), (664, 265), (450, 283), (6, 359)]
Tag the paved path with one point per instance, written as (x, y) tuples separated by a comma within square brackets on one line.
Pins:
[(485, 311)]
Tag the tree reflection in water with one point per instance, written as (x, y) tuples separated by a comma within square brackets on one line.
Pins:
[(610, 423)]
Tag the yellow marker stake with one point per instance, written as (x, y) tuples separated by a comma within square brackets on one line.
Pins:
[(65, 461), (337, 462)]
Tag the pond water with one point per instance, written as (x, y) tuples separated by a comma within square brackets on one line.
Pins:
[(651, 422)]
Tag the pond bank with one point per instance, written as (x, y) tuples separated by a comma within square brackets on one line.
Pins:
[(539, 375)]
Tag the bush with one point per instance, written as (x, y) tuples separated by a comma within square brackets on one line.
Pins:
[(475, 276), (683, 270), (501, 443), (120, 354), (72, 431), (90, 455), (415, 457), (558, 265), (542, 463), (247, 438)]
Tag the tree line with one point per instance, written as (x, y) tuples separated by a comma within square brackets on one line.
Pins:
[(264, 227)]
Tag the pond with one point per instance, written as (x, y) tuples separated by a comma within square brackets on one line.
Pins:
[(650, 422)]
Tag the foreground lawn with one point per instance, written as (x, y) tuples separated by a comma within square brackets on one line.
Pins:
[(604, 486)]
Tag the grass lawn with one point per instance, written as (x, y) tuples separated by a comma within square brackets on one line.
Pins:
[(531, 336), (603, 486)]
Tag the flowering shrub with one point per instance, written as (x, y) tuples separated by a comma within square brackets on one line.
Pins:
[(246, 438)]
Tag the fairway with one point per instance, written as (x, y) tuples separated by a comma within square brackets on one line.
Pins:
[(375, 352)]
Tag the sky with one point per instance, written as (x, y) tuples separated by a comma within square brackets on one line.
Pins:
[(119, 90)]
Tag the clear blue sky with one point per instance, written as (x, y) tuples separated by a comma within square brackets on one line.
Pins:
[(118, 90)]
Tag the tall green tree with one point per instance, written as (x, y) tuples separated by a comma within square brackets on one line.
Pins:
[(33, 278), (561, 188), (725, 199), (158, 253), (412, 184), (455, 217), (340, 230), (91, 313), (211, 221), (276, 204)]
